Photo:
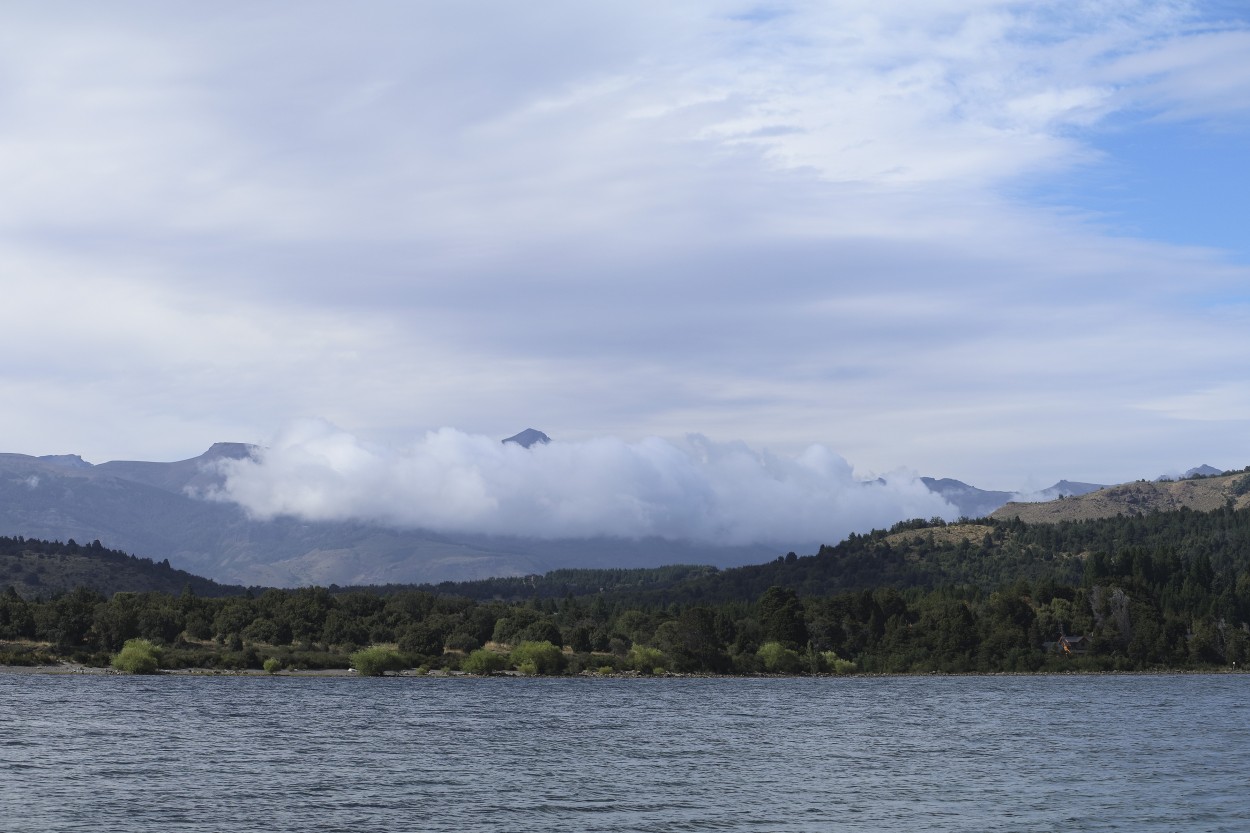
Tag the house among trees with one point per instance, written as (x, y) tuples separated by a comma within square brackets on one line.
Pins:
[(1069, 645), (1072, 645)]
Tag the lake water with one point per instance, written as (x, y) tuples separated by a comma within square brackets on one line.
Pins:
[(214, 754)]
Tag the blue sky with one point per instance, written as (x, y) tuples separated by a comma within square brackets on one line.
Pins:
[(961, 238), (1175, 182)]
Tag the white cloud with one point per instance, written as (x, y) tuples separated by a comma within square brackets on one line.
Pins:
[(630, 220), (450, 481)]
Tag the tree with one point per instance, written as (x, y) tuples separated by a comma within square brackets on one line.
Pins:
[(691, 641), (782, 617), (422, 639)]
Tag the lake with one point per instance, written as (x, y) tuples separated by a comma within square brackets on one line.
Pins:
[(213, 754)]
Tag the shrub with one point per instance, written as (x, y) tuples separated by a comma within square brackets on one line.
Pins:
[(644, 660), (273, 665), (837, 665), (137, 656), (544, 657), (778, 659), (484, 662), (374, 662)]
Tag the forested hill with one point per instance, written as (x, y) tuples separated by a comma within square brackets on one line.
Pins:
[(47, 568), (984, 554), (1164, 590)]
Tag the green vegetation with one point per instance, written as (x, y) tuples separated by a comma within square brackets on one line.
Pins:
[(272, 665), (44, 568), (1162, 590), (778, 659), (374, 662), (537, 658), (137, 656), (484, 662)]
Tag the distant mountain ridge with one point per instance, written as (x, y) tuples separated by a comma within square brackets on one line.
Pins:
[(148, 509), (978, 503), (1199, 492)]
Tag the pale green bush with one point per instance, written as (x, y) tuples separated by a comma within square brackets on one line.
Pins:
[(137, 656), (374, 662)]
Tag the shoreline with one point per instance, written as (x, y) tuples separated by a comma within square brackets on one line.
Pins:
[(74, 669)]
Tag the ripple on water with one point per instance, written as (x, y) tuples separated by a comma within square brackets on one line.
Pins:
[(940, 754)]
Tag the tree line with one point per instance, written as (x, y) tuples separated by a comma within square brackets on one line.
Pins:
[(1165, 591)]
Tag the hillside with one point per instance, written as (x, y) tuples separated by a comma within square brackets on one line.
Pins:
[(1146, 592), (36, 569), (922, 555), (1200, 494)]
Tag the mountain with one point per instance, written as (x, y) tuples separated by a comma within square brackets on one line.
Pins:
[(1068, 488), (528, 437), (1142, 497), (969, 500), (151, 510), (148, 509), (1198, 471), (978, 503)]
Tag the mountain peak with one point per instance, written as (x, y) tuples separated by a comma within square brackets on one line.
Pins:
[(528, 437), (1198, 471), (68, 461), (233, 451), (1203, 471)]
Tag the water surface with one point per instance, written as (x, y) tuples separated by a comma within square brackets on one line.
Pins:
[(212, 754)]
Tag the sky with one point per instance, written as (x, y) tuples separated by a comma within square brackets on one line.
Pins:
[(997, 241)]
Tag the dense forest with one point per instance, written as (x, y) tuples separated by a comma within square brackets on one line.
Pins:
[(38, 569), (1162, 590)]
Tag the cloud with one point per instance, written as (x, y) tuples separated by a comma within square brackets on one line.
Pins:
[(450, 481), (809, 225)]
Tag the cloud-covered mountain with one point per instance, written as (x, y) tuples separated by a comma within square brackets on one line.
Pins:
[(977, 503), (319, 506)]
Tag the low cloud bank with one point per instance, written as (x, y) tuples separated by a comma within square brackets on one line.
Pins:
[(450, 481)]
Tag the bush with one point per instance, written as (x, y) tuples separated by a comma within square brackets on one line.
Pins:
[(484, 662), (645, 660), (374, 662), (137, 656), (778, 659), (537, 658), (273, 665), (837, 665)]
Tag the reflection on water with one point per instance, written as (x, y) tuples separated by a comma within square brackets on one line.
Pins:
[(1136, 753)]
